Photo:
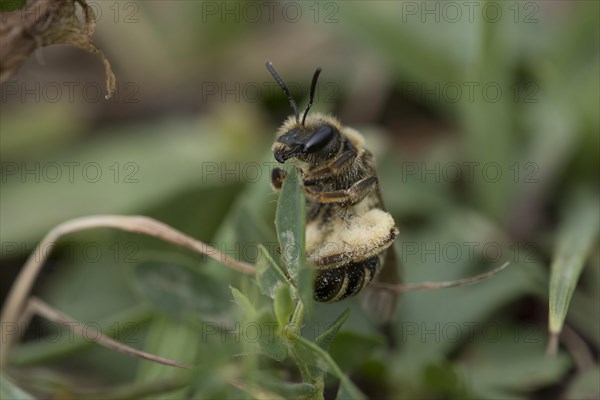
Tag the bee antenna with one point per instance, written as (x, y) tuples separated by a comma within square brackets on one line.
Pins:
[(313, 87), (271, 69)]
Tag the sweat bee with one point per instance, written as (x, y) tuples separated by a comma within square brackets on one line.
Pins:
[(348, 233)]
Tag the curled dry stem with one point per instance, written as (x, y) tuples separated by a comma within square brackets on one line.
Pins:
[(413, 287), (14, 306), (17, 308), (37, 306)]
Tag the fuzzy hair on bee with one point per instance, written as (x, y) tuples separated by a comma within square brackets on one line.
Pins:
[(348, 233)]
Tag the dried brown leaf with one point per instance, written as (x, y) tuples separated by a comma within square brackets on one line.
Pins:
[(44, 23)]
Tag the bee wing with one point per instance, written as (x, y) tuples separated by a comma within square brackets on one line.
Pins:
[(381, 303)]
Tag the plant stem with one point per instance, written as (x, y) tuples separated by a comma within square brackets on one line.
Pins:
[(298, 316)]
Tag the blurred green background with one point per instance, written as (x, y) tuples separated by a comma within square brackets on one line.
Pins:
[(484, 121)]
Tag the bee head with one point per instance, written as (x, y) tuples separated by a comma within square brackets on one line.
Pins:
[(315, 140)]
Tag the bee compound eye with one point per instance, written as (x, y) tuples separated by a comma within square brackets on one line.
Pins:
[(319, 139)]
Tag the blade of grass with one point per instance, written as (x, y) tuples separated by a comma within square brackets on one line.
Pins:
[(576, 238)]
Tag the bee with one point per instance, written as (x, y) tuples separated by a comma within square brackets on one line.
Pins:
[(349, 235)]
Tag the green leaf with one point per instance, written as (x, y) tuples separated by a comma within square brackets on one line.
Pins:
[(315, 356), (259, 328), (576, 238), (269, 340), (325, 339), (290, 223), (288, 390), (290, 220), (178, 291), (312, 367), (306, 283), (247, 309), (269, 275), (284, 305)]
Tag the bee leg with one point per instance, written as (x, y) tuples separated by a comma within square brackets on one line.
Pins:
[(345, 158), (277, 177), (350, 196), (313, 211)]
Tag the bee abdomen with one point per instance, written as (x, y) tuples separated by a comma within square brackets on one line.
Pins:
[(347, 280)]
